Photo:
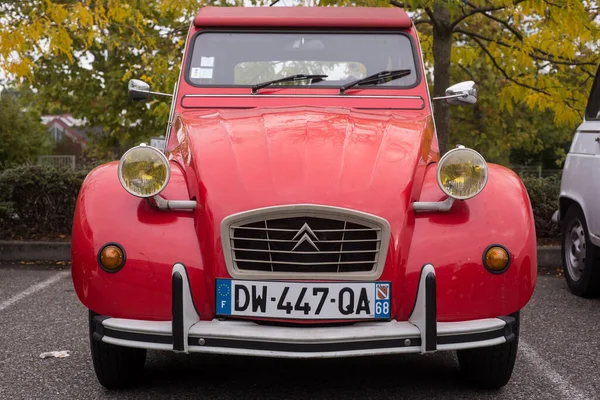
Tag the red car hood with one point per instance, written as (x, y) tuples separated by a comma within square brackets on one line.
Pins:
[(246, 159), (241, 160)]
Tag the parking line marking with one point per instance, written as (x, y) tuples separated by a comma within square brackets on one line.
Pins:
[(32, 289), (567, 390)]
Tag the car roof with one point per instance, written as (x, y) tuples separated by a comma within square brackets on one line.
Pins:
[(314, 17)]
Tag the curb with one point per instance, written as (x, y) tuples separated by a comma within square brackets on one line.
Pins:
[(11, 250), (548, 256)]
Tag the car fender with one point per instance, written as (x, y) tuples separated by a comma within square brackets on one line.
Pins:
[(152, 240), (576, 186), (569, 198), (570, 186), (454, 243)]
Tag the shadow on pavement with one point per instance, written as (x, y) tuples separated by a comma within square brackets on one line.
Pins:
[(361, 378)]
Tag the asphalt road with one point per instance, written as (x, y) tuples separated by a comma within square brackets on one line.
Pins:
[(559, 356)]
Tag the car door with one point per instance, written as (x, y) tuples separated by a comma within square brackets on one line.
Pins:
[(582, 166)]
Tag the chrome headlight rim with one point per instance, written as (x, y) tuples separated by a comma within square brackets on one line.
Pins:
[(163, 158), (446, 156)]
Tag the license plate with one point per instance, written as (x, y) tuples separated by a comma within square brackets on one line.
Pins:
[(302, 300)]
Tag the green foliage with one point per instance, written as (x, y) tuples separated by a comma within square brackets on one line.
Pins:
[(543, 193), (38, 202), (22, 135), (533, 60), (544, 50), (91, 48), (523, 136)]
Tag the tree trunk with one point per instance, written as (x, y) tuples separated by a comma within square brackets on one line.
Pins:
[(442, 46)]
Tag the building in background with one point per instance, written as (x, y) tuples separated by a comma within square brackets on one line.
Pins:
[(67, 133), (69, 136)]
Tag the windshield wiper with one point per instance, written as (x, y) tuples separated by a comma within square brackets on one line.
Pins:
[(292, 78), (376, 79)]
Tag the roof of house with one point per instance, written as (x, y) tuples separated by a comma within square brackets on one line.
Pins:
[(67, 119), (289, 17), (73, 127)]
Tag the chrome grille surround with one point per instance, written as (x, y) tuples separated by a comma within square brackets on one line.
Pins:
[(267, 260)]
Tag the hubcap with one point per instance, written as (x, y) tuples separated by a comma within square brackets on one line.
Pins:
[(575, 250)]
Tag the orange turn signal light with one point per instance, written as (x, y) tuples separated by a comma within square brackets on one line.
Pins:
[(496, 258), (111, 257)]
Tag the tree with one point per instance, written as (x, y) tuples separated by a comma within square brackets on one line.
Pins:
[(22, 135), (536, 47), (524, 136), (78, 56), (532, 43)]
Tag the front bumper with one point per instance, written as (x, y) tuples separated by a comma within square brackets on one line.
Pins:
[(187, 334)]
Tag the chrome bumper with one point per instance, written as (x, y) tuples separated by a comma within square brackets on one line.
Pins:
[(187, 334)]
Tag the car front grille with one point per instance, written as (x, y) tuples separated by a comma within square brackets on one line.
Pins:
[(306, 243)]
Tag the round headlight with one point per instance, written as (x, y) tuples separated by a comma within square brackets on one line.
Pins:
[(462, 173), (144, 171)]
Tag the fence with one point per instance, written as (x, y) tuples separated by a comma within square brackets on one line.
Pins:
[(534, 170), (57, 161)]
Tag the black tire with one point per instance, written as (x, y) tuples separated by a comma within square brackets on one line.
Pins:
[(587, 284), (490, 367), (116, 367)]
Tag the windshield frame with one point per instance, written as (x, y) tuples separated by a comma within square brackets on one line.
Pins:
[(413, 45)]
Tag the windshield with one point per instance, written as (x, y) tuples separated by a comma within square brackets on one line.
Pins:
[(248, 58)]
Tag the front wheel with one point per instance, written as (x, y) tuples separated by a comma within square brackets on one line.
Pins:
[(116, 367), (490, 367), (581, 259)]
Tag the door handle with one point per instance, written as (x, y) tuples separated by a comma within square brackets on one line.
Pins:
[(597, 139)]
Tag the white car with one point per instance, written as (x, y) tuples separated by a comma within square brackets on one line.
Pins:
[(579, 203)]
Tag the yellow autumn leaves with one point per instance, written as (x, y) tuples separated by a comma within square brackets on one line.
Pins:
[(545, 51)]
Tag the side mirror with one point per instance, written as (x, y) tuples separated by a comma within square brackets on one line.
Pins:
[(462, 93), (138, 90)]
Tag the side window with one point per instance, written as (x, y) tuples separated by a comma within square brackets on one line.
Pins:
[(592, 112)]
